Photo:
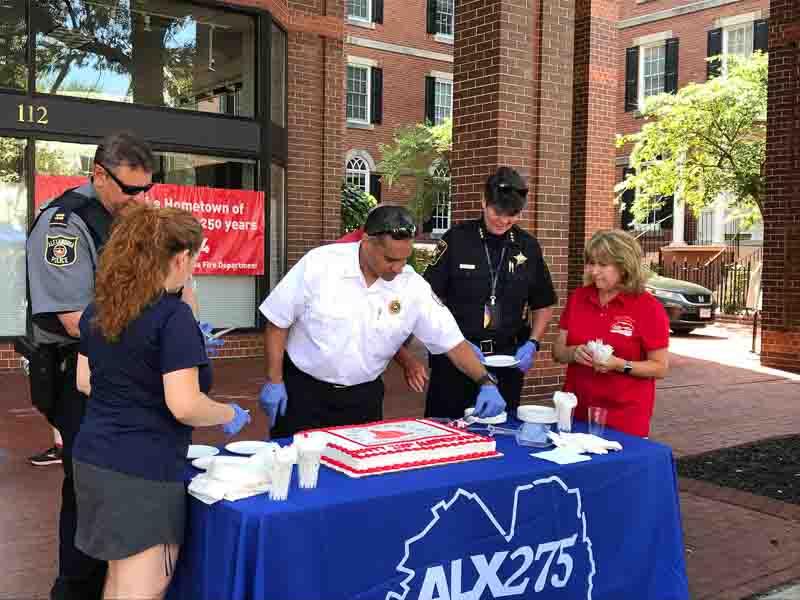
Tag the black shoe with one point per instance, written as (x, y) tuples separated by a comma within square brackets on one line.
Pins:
[(51, 456)]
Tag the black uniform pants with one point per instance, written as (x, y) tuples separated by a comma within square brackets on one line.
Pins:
[(313, 403), (450, 392), (80, 577)]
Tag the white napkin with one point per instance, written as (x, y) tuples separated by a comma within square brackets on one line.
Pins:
[(583, 442), (601, 352), (209, 490), (561, 456)]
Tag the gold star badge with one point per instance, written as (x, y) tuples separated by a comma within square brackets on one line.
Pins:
[(520, 258), (394, 307)]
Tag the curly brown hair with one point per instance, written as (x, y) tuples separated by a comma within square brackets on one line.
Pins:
[(136, 260)]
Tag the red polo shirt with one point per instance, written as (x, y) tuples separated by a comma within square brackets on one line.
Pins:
[(633, 324)]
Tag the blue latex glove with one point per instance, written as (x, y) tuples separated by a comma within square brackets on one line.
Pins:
[(477, 352), (240, 419), (273, 400), (526, 355), (489, 403), (212, 344)]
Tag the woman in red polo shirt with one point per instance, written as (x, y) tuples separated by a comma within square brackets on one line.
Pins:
[(614, 307)]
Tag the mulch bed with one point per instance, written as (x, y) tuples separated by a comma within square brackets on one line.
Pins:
[(766, 468)]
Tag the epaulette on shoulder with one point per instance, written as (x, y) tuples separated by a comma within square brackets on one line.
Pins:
[(65, 205)]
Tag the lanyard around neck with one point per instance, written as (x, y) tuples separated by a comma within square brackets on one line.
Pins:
[(494, 272)]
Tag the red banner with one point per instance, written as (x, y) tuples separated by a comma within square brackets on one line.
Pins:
[(233, 221)]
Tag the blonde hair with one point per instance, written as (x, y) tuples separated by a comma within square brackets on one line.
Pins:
[(617, 247), (136, 260)]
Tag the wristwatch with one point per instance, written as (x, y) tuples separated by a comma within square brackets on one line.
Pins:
[(627, 368), (488, 379), (535, 343)]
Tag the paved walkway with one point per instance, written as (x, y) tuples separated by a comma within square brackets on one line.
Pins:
[(737, 544)]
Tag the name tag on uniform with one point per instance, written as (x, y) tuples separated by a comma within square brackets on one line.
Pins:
[(467, 267)]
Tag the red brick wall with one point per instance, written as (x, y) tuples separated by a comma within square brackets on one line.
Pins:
[(692, 31), (512, 105), (781, 277), (403, 79), (597, 72), (403, 104)]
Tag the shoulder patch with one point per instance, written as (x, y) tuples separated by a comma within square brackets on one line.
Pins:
[(441, 248), (61, 250)]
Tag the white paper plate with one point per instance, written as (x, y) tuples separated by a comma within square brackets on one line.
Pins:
[(202, 463), (248, 446), (531, 413), (495, 420), (198, 450), (501, 360)]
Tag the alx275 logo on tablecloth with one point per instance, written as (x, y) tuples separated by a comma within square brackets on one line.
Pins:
[(544, 552)]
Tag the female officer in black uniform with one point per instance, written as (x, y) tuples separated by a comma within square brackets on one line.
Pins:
[(491, 275)]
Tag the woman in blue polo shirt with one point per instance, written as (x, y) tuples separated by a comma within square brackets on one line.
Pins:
[(144, 366)]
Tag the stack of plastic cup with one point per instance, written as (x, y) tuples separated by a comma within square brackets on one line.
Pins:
[(281, 475), (310, 447), (565, 403)]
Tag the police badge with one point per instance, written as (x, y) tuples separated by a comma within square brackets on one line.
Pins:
[(61, 250)]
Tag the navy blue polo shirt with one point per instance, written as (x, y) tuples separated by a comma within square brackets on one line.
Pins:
[(128, 427)]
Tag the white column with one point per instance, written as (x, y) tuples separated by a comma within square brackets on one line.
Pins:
[(678, 220), (720, 209)]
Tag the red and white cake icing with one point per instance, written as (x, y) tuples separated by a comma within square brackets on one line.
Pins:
[(397, 445)]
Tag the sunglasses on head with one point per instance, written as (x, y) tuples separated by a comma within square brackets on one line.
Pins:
[(128, 190), (505, 186), (402, 232)]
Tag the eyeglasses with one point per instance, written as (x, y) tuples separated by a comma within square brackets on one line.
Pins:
[(128, 190), (401, 232)]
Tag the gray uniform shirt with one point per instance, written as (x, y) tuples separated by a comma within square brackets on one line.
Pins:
[(62, 260)]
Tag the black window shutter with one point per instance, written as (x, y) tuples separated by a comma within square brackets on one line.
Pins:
[(376, 102), (375, 186), (671, 67), (632, 79), (377, 11), (628, 196), (432, 16), (714, 68), (760, 36), (430, 99)]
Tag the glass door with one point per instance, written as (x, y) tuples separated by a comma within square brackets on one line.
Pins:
[(13, 231)]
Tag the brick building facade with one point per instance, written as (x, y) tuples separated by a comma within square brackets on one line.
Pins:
[(541, 89)]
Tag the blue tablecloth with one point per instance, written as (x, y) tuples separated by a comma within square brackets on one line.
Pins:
[(510, 527)]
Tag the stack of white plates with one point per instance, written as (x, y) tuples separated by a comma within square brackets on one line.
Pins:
[(531, 413)]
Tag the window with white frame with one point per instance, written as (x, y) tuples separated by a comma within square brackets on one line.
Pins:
[(441, 214), (358, 93), (359, 9), (442, 101), (357, 173), (738, 40), (444, 17), (652, 70)]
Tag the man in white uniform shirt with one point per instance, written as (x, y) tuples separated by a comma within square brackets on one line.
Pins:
[(339, 316)]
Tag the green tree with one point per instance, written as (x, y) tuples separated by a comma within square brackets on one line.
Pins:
[(706, 140), (356, 205), (421, 153)]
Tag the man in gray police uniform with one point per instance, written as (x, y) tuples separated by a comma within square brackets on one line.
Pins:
[(62, 254)]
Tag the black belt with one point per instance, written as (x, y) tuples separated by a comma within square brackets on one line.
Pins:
[(494, 345), (290, 364)]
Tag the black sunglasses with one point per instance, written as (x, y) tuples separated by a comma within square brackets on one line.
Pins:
[(503, 186), (402, 232), (128, 190)]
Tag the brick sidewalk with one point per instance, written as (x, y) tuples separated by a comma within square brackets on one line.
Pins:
[(737, 544)]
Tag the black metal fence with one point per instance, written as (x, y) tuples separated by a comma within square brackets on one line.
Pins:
[(727, 277)]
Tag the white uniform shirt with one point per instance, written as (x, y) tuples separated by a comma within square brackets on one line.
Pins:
[(342, 331)]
